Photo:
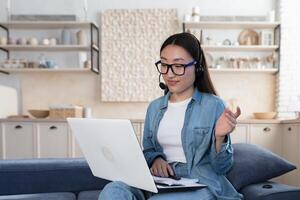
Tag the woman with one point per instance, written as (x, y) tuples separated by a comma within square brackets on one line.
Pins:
[(186, 131)]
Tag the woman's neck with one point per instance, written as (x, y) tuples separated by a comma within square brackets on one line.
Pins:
[(177, 97)]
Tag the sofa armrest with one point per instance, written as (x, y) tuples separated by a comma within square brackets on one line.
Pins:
[(270, 191), (47, 175)]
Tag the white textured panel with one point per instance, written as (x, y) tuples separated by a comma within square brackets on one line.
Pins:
[(130, 44)]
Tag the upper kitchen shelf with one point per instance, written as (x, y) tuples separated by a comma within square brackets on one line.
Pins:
[(261, 48), (92, 47), (45, 24), (259, 38), (266, 71), (229, 25), (46, 47)]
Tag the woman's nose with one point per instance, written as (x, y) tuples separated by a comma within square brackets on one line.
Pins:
[(170, 73)]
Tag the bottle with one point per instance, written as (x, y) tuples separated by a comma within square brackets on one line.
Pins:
[(87, 112), (66, 37), (196, 14), (81, 38)]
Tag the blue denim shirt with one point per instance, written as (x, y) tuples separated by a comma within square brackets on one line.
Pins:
[(198, 141)]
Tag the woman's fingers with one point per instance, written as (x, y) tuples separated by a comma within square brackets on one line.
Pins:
[(230, 113), (170, 170), (231, 118), (161, 168), (164, 170), (159, 171), (230, 123), (238, 112), (153, 171)]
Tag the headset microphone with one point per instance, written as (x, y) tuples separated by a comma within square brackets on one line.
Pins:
[(161, 84)]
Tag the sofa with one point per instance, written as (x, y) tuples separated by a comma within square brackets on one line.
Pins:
[(71, 178)]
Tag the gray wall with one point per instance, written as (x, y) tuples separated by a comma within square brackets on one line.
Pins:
[(208, 7)]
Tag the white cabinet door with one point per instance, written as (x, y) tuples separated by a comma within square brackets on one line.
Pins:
[(19, 140), (76, 150), (291, 153), (239, 135), (137, 130), (53, 140), (268, 136), (1, 141)]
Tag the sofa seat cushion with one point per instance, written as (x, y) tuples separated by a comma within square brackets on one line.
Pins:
[(41, 196), (89, 195), (30, 176), (270, 191)]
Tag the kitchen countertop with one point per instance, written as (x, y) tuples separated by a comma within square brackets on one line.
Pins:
[(241, 121), (49, 120), (31, 120)]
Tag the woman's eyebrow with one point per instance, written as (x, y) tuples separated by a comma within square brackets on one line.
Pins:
[(176, 59)]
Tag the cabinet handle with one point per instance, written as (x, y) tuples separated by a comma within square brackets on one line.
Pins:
[(289, 129), (18, 127), (52, 127), (267, 129)]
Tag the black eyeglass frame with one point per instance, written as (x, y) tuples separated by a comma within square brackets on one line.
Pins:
[(171, 66)]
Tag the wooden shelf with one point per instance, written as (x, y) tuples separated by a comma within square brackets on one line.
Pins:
[(268, 71), (45, 24), (46, 47), (94, 48), (45, 70), (240, 48), (231, 25)]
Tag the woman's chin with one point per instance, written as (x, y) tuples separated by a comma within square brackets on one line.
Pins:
[(173, 89)]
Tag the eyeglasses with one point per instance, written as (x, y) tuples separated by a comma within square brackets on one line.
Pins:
[(177, 69)]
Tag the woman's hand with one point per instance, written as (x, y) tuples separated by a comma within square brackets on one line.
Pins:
[(226, 123), (161, 168)]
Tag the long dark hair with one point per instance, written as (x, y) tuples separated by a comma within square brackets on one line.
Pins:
[(192, 45)]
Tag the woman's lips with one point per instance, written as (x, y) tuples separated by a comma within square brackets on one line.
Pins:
[(172, 83)]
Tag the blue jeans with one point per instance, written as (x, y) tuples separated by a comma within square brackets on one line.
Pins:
[(119, 190)]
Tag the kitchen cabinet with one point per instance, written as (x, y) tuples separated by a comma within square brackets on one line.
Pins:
[(137, 129), (240, 134), (52, 140), (227, 42), (1, 140), (18, 140), (76, 150), (291, 152), (268, 136), (92, 47)]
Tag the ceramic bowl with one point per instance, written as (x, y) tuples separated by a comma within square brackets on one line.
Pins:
[(39, 113), (264, 115)]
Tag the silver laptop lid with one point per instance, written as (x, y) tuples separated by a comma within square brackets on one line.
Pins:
[(112, 151)]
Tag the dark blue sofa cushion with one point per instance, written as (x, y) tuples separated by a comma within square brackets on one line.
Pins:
[(254, 164), (270, 191), (89, 195), (47, 175), (41, 196)]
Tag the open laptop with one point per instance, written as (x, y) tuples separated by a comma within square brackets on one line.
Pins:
[(112, 151)]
